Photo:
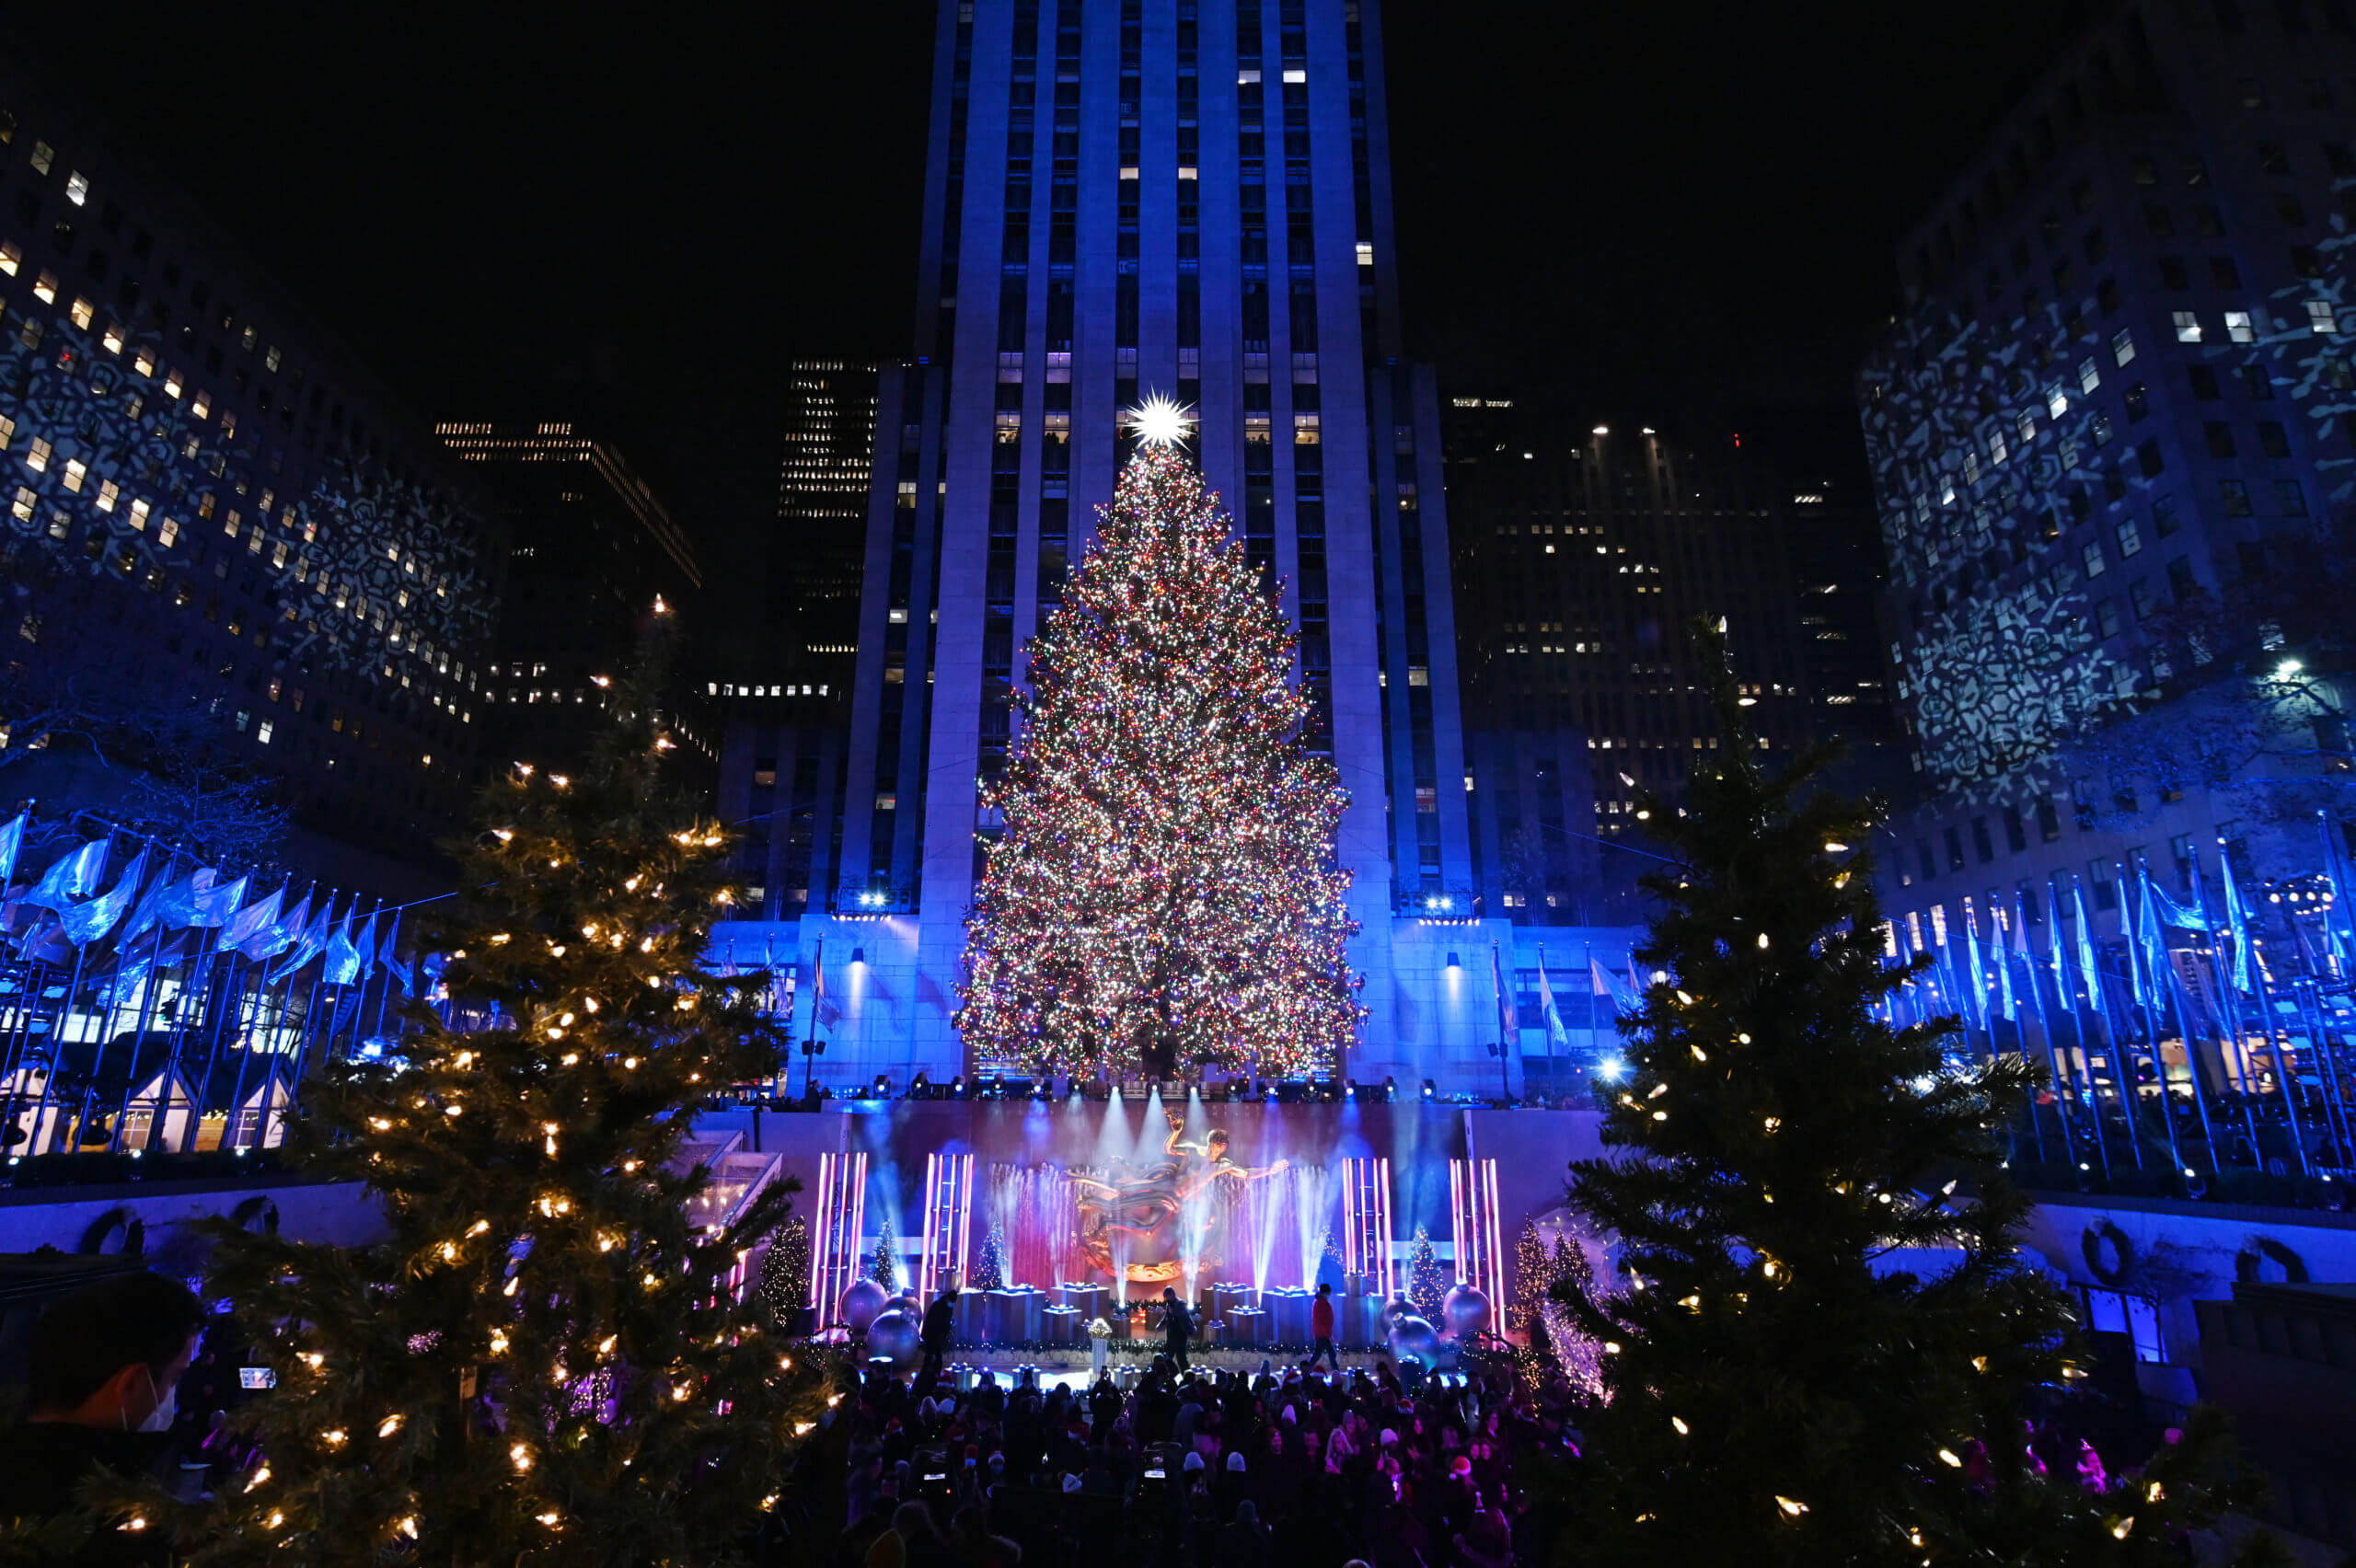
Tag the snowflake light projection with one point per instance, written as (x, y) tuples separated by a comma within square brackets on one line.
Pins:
[(117, 459)]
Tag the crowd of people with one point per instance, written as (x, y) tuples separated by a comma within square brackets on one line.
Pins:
[(1311, 1466)]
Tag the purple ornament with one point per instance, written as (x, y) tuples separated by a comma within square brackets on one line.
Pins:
[(1414, 1339), (1465, 1313), (895, 1336), (859, 1305)]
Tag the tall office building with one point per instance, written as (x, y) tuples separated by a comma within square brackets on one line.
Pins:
[(1125, 197), (2110, 437), (1581, 562), (211, 511), (809, 614), (590, 548)]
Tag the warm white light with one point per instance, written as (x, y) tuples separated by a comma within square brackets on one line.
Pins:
[(1603, 429), (2287, 668), (1161, 421)]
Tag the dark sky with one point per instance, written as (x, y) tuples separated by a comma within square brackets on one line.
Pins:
[(1676, 210)]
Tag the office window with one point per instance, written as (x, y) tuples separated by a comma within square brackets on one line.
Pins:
[(2239, 327), (2089, 377), (2122, 346), (2236, 498), (2094, 558), (2224, 274), (2159, 222), (1982, 845), (2220, 436), (2273, 157), (2323, 317), (2291, 497), (2273, 439), (43, 155), (2258, 383), (2016, 831), (77, 188), (1955, 850), (2106, 623), (2204, 382), (2188, 327), (2137, 400), (2131, 537), (2140, 595)]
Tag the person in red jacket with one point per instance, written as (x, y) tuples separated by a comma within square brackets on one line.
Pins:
[(1320, 1328)]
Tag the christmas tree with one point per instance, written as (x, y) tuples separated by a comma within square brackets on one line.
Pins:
[(1426, 1286), (1533, 1276), (1165, 895), (885, 1269), (785, 1273), (989, 1271), (1786, 1385), (541, 1357)]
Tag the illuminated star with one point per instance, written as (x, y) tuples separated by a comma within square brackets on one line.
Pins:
[(1161, 421)]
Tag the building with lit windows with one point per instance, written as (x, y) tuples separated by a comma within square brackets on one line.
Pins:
[(1581, 562), (590, 548), (1193, 203), (2111, 440), (209, 506), (826, 474)]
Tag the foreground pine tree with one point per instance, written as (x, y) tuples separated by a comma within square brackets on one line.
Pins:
[(541, 1362), (1166, 892), (1773, 1395)]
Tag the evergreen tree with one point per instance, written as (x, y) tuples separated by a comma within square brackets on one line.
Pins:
[(540, 1358), (1166, 892), (989, 1271), (884, 1268), (1775, 1396), (1533, 1276), (1426, 1286), (785, 1273)]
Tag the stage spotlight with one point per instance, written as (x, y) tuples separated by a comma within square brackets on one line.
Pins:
[(1352, 1091), (957, 1087), (921, 1088), (882, 1086), (1431, 1089)]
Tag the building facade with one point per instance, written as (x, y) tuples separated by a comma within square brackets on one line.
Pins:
[(211, 510), (590, 548), (825, 476), (1581, 563), (2112, 439), (1189, 197)]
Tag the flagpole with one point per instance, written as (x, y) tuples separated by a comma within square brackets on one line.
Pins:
[(2045, 1029), (150, 985), (2229, 1016), (2085, 1065), (58, 1030), (2283, 1065), (385, 992), (2138, 963), (810, 1045), (1508, 1040)]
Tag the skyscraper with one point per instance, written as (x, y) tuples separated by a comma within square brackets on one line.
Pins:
[(1124, 197), (590, 548), (2110, 439), (826, 472)]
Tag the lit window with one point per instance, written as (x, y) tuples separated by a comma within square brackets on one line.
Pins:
[(75, 472), (270, 359), (2188, 327), (139, 515), (2089, 377), (112, 342), (36, 456), (262, 731), (143, 362), (77, 188), (22, 507), (167, 531), (12, 255), (1296, 76), (201, 405), (2323, 317), (46, 288), (2239, 327), (43, 155), (108, 491), (887, 802), (1248, 74), (2122, 346), (1366, 253), (2057, 401), (82, 312), (2093, 558)]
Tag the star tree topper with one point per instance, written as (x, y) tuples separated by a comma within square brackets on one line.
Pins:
[(1161, 421)]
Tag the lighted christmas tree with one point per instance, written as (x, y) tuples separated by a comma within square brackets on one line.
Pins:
[(1165, 894), (1787, 1384), (1426, 1286), (884, 1267), (785, 1273), (540, 1359), (1533, 1275), (989, 1271)]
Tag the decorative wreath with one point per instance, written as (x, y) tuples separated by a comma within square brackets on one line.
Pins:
[(2091, 1244), (2245, 1261)]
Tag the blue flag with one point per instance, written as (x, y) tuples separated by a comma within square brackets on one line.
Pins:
[(2003, 964), (215, 902), (2236, 921), (1977, 999), (347, 958), (251, 924), (2087, 973), (12, 839), (1555, 1033), (86, 923), (391, 960), (2171, 913), (74, 876)]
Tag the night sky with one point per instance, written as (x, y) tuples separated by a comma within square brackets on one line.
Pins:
[(1669, 210)]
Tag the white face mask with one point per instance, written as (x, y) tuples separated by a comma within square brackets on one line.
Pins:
[(166, 1411)]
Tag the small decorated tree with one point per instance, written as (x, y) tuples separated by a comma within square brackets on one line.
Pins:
[(1426, 1285), (989, 1270), (885, 1269), (1533, 1275), (540, 1358), (785, 1273)]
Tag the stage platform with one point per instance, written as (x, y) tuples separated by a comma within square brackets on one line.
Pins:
[(1056, 1369)]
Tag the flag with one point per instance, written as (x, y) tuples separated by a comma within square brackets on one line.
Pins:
[(826, 1011), (1555, 1033), (281, 932), (253, 921), (1624, 997), (2087, 973), (149, 914), (2154, 943), (2236, 921), (217, 903), (74, 876), (2340, 917), (313, 941), (2005, 1001), (391, 960), (2171, 912), (346, 958), (86, 923), (1976, 999), (12, 839)]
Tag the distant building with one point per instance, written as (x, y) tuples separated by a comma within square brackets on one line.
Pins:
[(825, 476), (2111, 442), (591, 548), (1581, 562), (208, 506)]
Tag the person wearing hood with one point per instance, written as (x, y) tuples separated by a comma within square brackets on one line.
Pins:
[(102, 1373)]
